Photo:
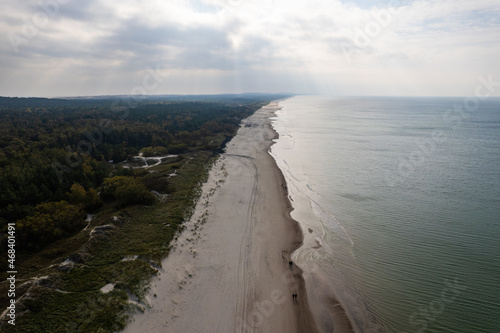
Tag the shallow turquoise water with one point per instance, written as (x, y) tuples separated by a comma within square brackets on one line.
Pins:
[(416, 190)]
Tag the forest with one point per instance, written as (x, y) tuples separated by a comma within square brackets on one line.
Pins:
[(58, 157)]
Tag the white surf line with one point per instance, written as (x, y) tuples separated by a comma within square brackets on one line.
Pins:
[(347, 234), (321, 211)]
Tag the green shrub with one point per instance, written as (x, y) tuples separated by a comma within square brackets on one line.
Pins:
[(127, 191), (51, 221)]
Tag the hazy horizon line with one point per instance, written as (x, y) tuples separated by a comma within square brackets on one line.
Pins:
[(105, 96)]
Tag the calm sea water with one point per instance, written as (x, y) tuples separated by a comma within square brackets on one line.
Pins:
[(402, 198)]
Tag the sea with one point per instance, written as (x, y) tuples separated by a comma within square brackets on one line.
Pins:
[(399, 201)]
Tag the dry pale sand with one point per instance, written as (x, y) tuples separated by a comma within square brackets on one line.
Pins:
[(228, 271)]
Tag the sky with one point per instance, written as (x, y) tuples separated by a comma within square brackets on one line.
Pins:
[(51, 48)]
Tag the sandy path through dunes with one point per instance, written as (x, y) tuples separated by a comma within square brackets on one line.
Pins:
[(229, 269)]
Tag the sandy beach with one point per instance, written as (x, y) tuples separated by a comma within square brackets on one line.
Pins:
[(229, 269)]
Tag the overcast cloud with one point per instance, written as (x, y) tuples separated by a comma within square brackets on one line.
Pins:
[(366, 47)]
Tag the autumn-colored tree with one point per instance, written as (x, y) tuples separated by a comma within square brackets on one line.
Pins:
[(110, 185), (51, 221), (92, 200), (133, 193), (89, 199), (126, 191), (77, 194)]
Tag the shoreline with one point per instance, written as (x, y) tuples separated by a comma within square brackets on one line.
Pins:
[(304, 317), (228, 271), (339, 321), (335, 302)]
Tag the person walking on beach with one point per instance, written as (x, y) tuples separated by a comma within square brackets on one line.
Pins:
[(290, 263)]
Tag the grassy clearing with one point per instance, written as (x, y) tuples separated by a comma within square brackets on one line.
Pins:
[(55, 298)]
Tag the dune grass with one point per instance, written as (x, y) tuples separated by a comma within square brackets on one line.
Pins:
[(127, 253)]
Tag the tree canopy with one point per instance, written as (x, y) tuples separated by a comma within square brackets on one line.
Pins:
[(59, 157)]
